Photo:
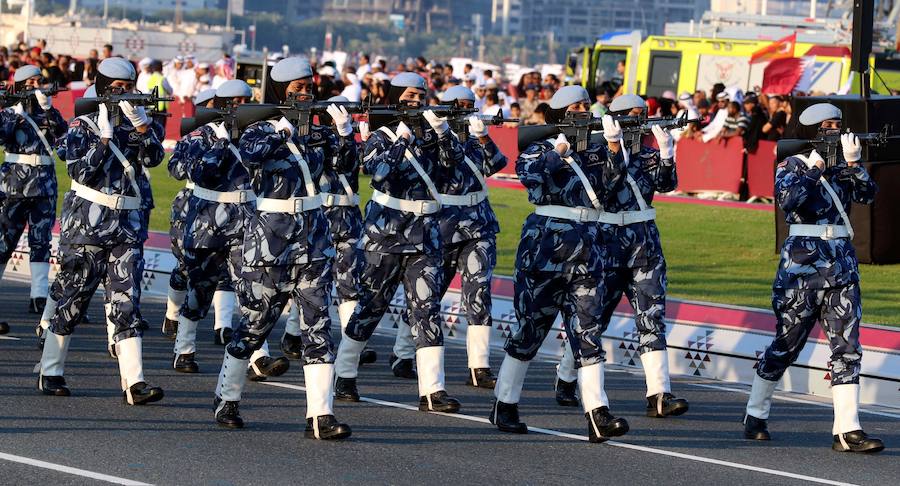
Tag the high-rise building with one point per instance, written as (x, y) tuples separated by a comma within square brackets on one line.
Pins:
[(819, 8), (412, 15)]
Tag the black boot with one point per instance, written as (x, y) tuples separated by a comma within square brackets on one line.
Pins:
[(666, 405), (185, 363), (438, 401), (38, 331), (565, 393), (268, 367), (345, 390), (602, 425), (170, 328), (292, 346), (141, 394), (326, 427), (227, 414), (86, 319), (506, 417), (756, 428), (223, 336), (368, 356), (856, 441), (36, 306), (481, 378), (4, 328), (53, 385), (403, 368)]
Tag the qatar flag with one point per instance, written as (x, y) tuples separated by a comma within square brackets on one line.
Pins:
[(781, 75)]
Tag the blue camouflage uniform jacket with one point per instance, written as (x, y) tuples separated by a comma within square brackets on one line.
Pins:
[(205, 159), (810, 262), (462, 223), (555, 244), (388, 230), (272, 238), (94, 165), (637, 244), (18, 137), (345, 222)]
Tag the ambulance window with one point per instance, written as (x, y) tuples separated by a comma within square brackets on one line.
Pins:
[(664, 69), (606, 66)]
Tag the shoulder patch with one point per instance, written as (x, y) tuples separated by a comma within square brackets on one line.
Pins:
[(75, 123)]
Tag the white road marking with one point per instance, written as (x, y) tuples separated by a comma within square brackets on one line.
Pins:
[(10, 338), (70, 470), (612, 443), (785, 398)]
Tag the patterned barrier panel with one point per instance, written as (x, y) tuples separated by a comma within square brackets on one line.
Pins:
[(705, 340)]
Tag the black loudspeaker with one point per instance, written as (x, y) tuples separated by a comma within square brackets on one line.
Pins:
[(877, 226)]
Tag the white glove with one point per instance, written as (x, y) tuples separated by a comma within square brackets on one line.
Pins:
[(341, 119), (136, 115), (43, 100), (106, 129), (17, 109), (851, 146), (612, 132), (438, 124), (476, 127), (220, 131), (284, 124), (665, 141), (402, 130), (364, 132), (562, 145), (813, 159)]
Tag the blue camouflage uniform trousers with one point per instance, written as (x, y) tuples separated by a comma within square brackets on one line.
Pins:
[(635, 265), (817, 279), (346, 227), (28, 192), (402, 246), (559, 263), (286, 255), (178, 277)]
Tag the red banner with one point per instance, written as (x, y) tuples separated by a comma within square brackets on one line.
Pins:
[(761, 170), (507, 139), (781, 75), (710, 166)]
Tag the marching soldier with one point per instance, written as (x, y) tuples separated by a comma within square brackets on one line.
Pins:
[(212, 228), (818, 280), (402, 243), (28, 133), (635, 265), (103, 228), (559, 265), (340, 203), (468, 231), (287, 253)]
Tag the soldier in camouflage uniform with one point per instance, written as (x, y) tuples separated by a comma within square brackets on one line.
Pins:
[(287, 252), (559, 265), (401, 239), (103, 228), (468, 231), (818, 279), (213, 227), (28, 133), (224, 298), (340, 203), (635, 265)]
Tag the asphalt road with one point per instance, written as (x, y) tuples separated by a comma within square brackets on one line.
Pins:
[(177, 441)]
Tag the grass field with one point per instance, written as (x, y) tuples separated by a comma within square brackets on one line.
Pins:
[(715, 254)]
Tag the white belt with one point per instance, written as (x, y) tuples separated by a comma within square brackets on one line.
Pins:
[(824, 231), (30, 159), (580, 214), (224, 197), (471, 199), (189, 185), (290, 205), (624, 218), (113, 201), (416, 206), (332, 200)]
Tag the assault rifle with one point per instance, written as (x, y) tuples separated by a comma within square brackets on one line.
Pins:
[(634, 128), (577, 126), (10, 97), (204, 115), (84, 106), (299, 112), (460, 125), (828, 145), (413, 116)]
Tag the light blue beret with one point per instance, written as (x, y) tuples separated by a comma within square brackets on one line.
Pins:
[(458, 93), (25, 72), (568, 95), (233, 88), (117, 68), (627, 102), (408, 80), (819, 112), (290, 69), (204, 96)]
